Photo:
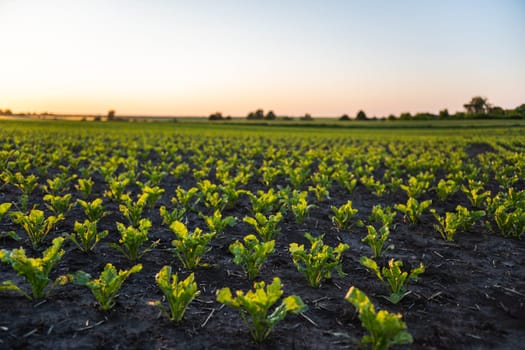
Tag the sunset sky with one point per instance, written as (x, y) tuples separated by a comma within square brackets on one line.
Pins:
[(195, 57)]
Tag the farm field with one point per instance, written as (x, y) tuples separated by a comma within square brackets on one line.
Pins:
[(447, 201)]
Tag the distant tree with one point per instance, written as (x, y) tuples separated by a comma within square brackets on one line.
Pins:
[(444, 113), (307, 117), (391, 117), (215, 116), (520, 109), (477, 105), (405, 116), (111, 115), (228, 117), (257, 115), (8, 112), (270, 116), (97, 118), (361, 115), (344, 117), (496, 111)]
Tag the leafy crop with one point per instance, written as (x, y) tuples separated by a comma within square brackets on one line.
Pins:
[(190, 246), (255, 305), (266, 227), (133, 238), (179, 294), (393, 277), (106, 287), (343, 215), (86, 235), (34, 270), (317, 263), (36, 225), (251, 254), (413, 209), (384, 328), (376, 240)]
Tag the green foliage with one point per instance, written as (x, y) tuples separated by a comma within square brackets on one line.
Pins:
[(169, 217), (393, 277), (190, 246), (106, 287), (385, 216), (317, 263), (446, 188), (94, 210), (131, 210), (415, 187), (179, 294), (385, 329), (4, 209), (462, 219), (266, 227), (251, 255), (343, 215), (264, 202), (510, 223), (59, 184), (254, 306), (86, 235), (60, 205), (413, 209), (475, 193), (217, 224), (116, 188), (84, 187), (36, 225), (376, 240), (133, 238), (301, 209), (34, 270), (186, 199)]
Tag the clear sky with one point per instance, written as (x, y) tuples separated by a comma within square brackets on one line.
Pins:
[(324, 57)]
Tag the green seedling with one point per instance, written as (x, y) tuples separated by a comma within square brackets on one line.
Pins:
[(94, 210), (446, 188), (106, 287), (376, 240), (190, 246), (84, 187), (217, 224), (317, 263), (60, 205), (393, 277), (413, 209), (301, 209), (384, 216), (385, 329), (36, 225), (254, 306), (343, 215), (179, 294), (86, 235), (169, 217), (266, 227), (462, 219), (133, 238), (251, 254), (34, 270)]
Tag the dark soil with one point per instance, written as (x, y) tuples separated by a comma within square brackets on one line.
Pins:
[(471, 295)]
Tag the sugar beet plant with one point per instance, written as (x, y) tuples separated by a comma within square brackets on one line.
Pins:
[(132, 239), (266, 227), (105, 288), (393, 277), (384, 328), (86, 235), (34, 270), (36, 225), (251, 254), (343, 215), (254, 306), (179, 294), (190, 247), (318, 262)]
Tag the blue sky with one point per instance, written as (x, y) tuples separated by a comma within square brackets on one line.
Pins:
[(320, 57)]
